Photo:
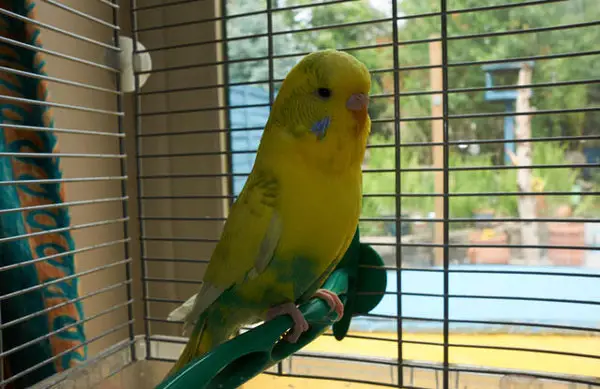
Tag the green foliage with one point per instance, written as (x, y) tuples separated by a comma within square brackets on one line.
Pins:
[(382, 183), (344, 38), (471, 181), (385, 183), (589, 207), (476, 181), (554, 179), (508, 206), (315, 30), (501, 47), (255, 47), (306, 41)]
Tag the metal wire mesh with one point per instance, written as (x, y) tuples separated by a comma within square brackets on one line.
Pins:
[(87, 111), (475, 299), (435, 121)]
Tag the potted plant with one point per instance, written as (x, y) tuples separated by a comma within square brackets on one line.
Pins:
[(488, 255), (590, 208), (563, 233), (481, 209)]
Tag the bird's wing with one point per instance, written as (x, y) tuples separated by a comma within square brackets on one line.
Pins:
[(246, 247)]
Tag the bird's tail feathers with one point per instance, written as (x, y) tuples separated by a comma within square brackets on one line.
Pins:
[(181, 312), (200, 343)]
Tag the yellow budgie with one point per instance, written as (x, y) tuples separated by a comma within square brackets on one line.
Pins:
[(297, 212)]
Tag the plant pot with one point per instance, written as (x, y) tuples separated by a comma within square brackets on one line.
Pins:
[(566, 234), (488, 255)]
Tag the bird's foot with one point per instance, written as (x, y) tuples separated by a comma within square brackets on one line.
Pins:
[(300, 323), (332, 300)]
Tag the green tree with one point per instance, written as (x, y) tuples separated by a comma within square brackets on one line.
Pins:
[(501, 47), (317, 28), (347, 37), (240, 48), (306, 41), (475, 49)]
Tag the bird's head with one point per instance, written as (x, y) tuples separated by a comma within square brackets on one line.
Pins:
[(321, 109)]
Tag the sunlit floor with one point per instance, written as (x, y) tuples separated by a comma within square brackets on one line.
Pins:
[(521, 360), (147, 374)]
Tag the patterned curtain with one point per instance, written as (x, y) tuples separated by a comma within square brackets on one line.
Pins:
[(40, 316)]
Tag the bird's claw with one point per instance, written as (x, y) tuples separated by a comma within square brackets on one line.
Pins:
[(300, 323), (333, 300)]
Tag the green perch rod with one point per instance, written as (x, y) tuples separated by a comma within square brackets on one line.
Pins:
[(240, 359)]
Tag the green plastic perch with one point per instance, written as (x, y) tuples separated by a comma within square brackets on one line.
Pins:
[(240, 359)]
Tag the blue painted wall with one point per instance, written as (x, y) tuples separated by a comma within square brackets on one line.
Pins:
[(577, 287), (244, 142)]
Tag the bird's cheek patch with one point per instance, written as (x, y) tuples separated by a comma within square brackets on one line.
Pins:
[(320, 127)]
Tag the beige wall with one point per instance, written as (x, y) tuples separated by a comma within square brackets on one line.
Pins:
[(95, 167), (195, 142)]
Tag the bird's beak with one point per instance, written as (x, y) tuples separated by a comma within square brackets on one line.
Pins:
[(358, 102)]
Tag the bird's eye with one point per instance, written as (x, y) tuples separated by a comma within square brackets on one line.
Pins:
[(324, 92)]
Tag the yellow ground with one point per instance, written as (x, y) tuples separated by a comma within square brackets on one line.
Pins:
[(475, 357)]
